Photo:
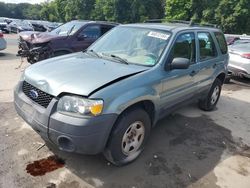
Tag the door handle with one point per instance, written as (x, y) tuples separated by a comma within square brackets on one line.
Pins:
[(215, 65), (193, 73)]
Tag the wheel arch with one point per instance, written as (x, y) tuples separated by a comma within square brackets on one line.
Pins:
[(222, 77)]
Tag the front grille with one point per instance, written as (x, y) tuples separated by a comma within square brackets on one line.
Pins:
[(42, 99)]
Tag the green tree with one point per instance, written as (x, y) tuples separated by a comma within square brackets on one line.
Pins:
[(233, 16)]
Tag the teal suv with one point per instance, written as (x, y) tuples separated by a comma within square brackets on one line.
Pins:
[(109, 97)]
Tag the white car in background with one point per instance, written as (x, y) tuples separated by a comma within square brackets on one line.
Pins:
[(239, 62), (3, 43)]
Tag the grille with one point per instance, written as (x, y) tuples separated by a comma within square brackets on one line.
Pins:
[(43, 98)]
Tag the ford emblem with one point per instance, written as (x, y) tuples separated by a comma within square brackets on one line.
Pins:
[(33, 94)]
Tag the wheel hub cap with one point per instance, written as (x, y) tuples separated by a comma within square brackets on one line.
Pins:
[(133, 138), (215, 95)]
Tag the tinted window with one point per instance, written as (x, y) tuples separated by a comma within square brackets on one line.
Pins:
[(91, 32), (185, 47), (222, 42), (207, 47), (106, 29)]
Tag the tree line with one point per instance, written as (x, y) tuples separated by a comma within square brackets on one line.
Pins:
[(232, 15)]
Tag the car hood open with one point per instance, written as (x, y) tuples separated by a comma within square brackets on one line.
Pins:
[(77, 73), (37, 37)]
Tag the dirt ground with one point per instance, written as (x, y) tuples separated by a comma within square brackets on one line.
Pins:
[(189, 148)]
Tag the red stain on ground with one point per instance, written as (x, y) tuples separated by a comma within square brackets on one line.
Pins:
[(42, 166)]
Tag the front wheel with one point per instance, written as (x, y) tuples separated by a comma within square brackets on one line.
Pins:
[(129, 136), (213, 96)]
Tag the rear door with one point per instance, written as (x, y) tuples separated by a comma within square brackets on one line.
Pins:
[(208, 59)]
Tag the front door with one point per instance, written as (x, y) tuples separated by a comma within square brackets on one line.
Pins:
[(179, 84)]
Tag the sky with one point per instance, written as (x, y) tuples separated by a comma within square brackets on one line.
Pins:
[(23, 1)]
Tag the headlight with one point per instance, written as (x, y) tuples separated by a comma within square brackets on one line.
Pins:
[(80, 106)]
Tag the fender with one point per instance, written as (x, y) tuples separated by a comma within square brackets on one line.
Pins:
[(131, 97)]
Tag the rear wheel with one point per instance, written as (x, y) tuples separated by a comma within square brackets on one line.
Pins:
[(212, 98), (128, 138)]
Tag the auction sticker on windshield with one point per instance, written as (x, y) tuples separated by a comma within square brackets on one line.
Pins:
[(158, 35)]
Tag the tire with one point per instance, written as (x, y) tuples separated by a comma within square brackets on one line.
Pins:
[(209, 103), (132, 125), (227, 80)]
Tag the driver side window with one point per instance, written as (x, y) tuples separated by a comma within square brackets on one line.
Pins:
[(184, 47)]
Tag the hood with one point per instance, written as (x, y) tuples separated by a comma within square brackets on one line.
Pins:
[(37, 37), (77, 73)]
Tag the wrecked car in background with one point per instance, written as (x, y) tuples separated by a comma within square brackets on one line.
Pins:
[(71, 37)]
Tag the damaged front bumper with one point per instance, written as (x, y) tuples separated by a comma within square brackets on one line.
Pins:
[(33, 52), (87, 135)]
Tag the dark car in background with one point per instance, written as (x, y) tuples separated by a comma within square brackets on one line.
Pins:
[(17, 26), (71, 37), (3, 25), (43, 26)]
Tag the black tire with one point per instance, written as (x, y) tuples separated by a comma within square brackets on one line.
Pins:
[(227, 80), (208, 104), (114, 152)]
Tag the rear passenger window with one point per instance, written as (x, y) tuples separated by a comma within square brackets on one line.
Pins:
[(221, 41), (206, 46), (185, 47)]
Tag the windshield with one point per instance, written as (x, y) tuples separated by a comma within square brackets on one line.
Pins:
[(132, 44), (68, 29)]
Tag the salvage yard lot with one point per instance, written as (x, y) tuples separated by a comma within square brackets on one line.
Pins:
[(189, 148)]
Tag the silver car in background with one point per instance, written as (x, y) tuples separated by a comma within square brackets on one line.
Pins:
[(239, 62), (3, 43)]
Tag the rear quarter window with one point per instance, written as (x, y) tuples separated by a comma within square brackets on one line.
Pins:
[(221, 41)]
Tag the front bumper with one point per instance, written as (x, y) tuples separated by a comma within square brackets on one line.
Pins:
[(87, 135)]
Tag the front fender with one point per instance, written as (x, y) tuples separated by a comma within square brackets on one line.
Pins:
[(127, 99)]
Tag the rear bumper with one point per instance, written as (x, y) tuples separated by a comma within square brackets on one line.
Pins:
[(238, 71), (87, 135)]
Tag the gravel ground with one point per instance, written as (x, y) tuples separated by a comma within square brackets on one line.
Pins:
[(189, 148)]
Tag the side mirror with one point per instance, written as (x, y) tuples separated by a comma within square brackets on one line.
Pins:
[(180, 63), (82, 37)]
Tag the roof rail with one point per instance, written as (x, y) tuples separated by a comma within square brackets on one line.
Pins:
[(189, 23)]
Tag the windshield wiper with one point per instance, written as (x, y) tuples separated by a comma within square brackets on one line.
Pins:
[(122, 60), (93, 52), (71, 29)]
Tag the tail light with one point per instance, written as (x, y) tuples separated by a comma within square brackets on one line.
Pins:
[(246, 55), (1, 35)]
